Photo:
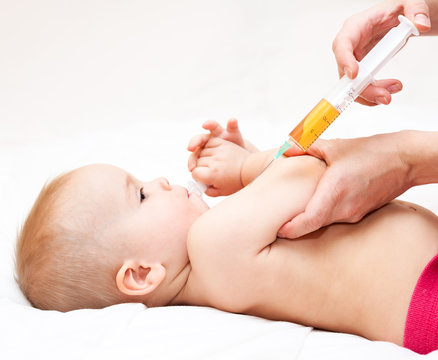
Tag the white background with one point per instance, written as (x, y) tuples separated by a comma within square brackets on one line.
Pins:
[(129, 82)]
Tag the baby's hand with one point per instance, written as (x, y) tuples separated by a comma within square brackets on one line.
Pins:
[(218, 164), (231, 133)]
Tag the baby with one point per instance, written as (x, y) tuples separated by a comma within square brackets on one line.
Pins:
[(97, 236)]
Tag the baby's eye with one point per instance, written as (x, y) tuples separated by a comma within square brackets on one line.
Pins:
[(142, 195)]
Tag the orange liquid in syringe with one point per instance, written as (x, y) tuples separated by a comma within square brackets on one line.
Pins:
[(314, 124)]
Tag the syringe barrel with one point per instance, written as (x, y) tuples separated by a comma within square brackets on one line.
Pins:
[(347, 90)]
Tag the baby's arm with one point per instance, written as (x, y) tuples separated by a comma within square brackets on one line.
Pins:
[(227, 168), (251, 218), (232, 245), (223, 160)]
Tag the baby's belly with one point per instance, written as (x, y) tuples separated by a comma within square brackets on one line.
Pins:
[(355, 278)]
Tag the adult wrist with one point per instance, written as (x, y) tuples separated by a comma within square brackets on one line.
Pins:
[(405, 145), (419, 152)]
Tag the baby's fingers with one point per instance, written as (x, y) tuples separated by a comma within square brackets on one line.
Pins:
[(202, 174), (234, 134), (198, 141), (199, 157), (213, 192), (193, 158), (214, 127), (232, 125)]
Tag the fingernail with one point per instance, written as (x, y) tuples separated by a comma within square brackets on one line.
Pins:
[(394, 88), (422, 19), (348, 72), (381, 100)]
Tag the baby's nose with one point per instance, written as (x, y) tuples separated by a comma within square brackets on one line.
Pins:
[(164, 183)]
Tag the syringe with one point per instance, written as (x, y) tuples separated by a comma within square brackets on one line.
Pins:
[(347, 90)]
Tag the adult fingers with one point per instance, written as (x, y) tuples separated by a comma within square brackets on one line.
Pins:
[(320, 149), (418, 12), (347, 63), (343, 47), (294, 150), (301, 225), (376, 95), (362, 101), (380, 92)]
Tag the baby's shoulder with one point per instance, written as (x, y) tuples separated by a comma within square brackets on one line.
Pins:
[(223, 275)]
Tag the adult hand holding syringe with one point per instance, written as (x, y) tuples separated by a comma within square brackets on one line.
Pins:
[(362, 31), (347, 90), (365, 173)]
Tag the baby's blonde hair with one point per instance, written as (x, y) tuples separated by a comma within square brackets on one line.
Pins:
[(61, 263)]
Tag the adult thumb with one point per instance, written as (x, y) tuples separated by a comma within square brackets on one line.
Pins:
[(316, 149), (316, 214), (319, 149), (300, 225), (294, 150)]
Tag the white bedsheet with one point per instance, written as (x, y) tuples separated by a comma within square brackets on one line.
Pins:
[(132, 331), (128, 83)]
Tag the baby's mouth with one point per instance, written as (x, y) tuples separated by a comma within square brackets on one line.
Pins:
[(196, 188)]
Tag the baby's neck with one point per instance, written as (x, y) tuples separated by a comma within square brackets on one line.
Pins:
[(192, 291), (173, 291)]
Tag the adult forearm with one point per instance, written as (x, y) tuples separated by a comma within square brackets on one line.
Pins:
[(419, 151)]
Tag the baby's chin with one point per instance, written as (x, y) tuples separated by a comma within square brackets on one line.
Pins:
[(197, 200)]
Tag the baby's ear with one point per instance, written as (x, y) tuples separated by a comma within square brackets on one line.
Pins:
[(134, 278)]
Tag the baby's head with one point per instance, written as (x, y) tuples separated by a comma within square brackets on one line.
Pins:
[(97, 236)]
